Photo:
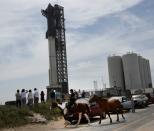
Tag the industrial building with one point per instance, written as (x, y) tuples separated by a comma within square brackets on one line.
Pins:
[(116, 74), (58, 76), (129, 72)]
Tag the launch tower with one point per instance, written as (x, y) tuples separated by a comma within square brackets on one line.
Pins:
[(58, 77)]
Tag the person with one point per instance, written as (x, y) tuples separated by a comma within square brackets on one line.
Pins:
[(133, 105), (72, 98), (30, 98), (79, 94), (83, 94), (76, 94), (42, 97), (23, 97), (18, 99), (52, 96), (36, 96)]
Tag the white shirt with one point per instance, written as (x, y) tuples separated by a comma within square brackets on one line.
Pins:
[(23, 95), (30, 95), (36, 94)]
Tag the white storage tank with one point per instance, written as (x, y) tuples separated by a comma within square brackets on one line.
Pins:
[(145, 72), (131, 71), (115, 69), (141, 69), (149, 80)]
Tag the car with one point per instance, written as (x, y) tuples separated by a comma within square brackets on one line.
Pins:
[(126, 103), (150, 98), (140, 100), (145, 99)]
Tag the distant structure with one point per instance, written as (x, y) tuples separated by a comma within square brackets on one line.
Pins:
[(116, 73), (95, 85), (129, 72), (58, 76)]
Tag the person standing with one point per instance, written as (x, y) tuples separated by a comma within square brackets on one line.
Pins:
[(42, 97), (83, 94), (133, 105), (36, 96), (23, 97), (76, 94), (52, 96), (72, 98), (79, 94), (30, 98), (18, 99)]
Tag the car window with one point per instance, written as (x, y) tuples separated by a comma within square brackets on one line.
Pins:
[(137, 96), (124, 99)]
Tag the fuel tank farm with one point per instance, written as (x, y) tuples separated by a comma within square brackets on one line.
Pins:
[(129, 71)]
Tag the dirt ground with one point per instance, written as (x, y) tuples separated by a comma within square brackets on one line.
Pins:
[(53, 125)]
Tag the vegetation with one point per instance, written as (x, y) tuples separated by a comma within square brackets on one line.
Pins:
[(44, 109), (10, 116)]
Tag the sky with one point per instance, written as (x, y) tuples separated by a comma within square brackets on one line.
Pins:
[(94, 31)]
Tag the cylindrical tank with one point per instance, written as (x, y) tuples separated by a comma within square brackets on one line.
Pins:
[(148, 74), (145, 72), (115, 69), (141, 69), (131, 71)]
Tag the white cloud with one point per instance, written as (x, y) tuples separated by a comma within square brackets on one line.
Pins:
[(21, 68), (86, 12)]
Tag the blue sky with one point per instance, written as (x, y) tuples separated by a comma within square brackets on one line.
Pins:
[(94, 30)]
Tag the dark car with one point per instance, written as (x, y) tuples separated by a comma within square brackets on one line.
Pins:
[(150, 98)]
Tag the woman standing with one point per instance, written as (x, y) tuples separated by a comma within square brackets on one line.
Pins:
[(42, 97), (30, 98)]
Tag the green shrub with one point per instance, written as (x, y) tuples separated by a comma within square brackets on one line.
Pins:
[(11, 116), (44, 109)]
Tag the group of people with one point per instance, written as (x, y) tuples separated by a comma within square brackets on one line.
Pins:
[(24, 95), (78, 94)]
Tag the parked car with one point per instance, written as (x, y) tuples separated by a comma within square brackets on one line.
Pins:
[(140, 100), (150, 97), (127, 104)]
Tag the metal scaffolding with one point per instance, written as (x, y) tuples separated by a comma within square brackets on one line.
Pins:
[(56, 29)]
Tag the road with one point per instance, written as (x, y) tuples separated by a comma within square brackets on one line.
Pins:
[(141, 120)]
